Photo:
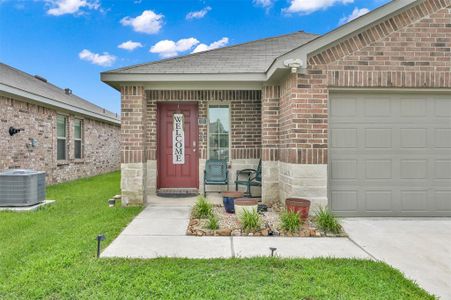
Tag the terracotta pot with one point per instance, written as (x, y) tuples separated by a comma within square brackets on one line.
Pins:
[(229, 200), (245, 204), (301, 206)]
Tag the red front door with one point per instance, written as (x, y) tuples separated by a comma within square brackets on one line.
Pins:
[(175, 174)]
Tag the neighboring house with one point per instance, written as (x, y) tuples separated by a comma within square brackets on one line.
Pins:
[(61, 134), (359, 118)]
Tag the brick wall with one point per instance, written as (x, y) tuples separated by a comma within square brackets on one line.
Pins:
[(270, 123), (409, 50), (133, 120), (101, 143), (245, 119)]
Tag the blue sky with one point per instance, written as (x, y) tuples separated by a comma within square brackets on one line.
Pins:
[(71, 41)]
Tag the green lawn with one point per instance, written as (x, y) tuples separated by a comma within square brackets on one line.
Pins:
[(50, 254)]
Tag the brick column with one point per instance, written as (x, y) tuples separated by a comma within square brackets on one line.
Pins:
[(133, 145), (270, 143), (303, 138)]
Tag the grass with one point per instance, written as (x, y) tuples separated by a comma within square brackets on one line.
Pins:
[(290, 221), (50, 254), (250, 220), (202, 209), (326, 221)]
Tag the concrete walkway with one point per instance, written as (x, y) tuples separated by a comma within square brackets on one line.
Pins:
[(419, 247), (159, 231)]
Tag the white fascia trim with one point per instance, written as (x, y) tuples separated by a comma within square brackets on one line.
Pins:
[(27, 96), (123, 77), (334, 36), (202, 85)]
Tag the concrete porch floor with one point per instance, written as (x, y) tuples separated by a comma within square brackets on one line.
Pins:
[(159, 231)]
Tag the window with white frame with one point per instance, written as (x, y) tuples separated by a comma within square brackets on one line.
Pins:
[(61, 135), (78, 139), (218, 132)]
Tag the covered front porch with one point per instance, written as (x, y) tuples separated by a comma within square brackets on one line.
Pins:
[(215, 124), (241, 127)]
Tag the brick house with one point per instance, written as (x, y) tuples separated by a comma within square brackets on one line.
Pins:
[(61, 134), (358, 119)]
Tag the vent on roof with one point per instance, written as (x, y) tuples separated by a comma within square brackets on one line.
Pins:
[(68, 91), (40, 78)]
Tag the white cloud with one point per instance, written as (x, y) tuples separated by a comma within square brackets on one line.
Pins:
[(63, 7), (130, 45), (310, 6), (264, 3), (198, 14), (104, 60), (356, 13), (218, 44), (148, 22), (168, 48)]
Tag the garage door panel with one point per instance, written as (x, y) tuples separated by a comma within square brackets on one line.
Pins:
[(413, 137), (392, 157), (377, 107), (443, 169), (414, 169), (345, 200), (414, 200), (378, 137), (443, 200), (443, 108), (442, 137), (378, 201), (344, 138), (344, 107), (413, 108), (378, 169), (344, 169)]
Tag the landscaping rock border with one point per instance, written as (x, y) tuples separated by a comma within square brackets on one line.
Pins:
[(229, 225)]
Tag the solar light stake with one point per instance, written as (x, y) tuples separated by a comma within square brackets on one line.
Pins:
[(100, 238), (272, 251)]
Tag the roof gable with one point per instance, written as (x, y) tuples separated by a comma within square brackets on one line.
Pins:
[(347, 31)]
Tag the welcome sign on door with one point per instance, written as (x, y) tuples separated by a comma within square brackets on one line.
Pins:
[(178, 140)]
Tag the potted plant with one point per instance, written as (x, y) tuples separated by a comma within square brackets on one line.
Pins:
[(298, 205)]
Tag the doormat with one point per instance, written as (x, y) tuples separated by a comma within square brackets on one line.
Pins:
[(177, 193)]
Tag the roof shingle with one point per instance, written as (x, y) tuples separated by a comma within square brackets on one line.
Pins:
[(25, 82), (251, 57)]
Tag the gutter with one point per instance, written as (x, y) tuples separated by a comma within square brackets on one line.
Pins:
[(38, 99)]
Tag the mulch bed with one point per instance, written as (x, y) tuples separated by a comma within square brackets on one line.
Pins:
[(229, 225)]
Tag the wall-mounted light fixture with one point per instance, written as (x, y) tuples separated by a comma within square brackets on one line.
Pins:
[(12, 131), (294, 64)]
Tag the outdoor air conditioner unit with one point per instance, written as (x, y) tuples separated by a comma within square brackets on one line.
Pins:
[(22, 187)]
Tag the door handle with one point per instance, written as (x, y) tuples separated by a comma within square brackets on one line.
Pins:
[(194, 146)]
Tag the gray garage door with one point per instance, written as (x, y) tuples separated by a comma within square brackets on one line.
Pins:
[(390, 154)]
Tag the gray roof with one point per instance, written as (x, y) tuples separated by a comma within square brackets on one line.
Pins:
[(16, 82), (251, 57)]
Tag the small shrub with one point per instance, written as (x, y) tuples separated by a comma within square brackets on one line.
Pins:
[(213, 222), (202, 209), (326, 221), (290, 221), (250, 220)]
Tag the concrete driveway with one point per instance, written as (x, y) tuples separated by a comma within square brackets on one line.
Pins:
[(420, 247)]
